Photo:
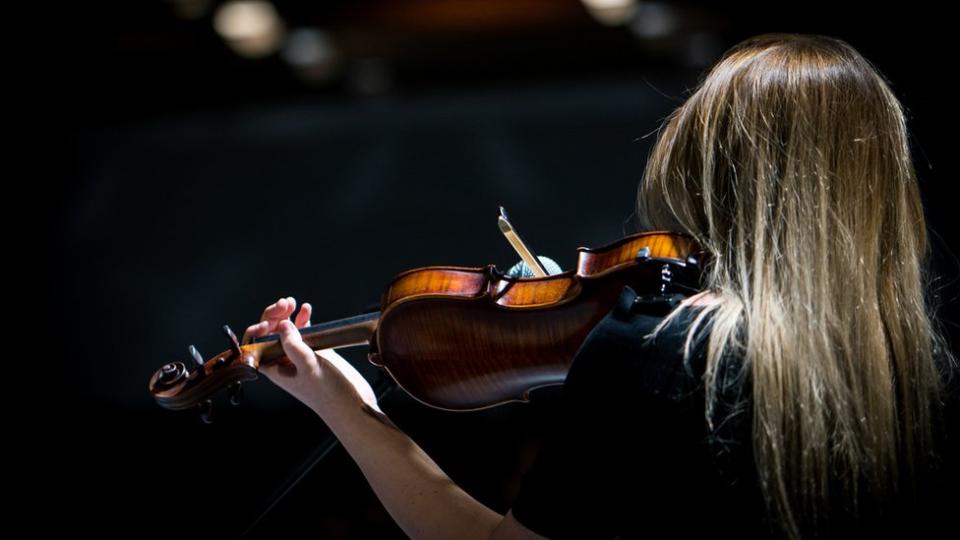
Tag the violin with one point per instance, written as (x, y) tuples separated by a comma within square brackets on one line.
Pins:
[(466, 338)]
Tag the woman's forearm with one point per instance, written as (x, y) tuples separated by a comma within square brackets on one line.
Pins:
[(419, 496)]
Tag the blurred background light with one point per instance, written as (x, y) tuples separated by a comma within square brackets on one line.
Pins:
[(312, 53), (251, 28), (611, 12)]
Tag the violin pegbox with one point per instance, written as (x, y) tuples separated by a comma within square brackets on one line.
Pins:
[(175, 386)]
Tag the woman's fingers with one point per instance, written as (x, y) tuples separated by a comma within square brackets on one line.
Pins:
[(303, 318), (280, 309), (274, 314), (297, 351), (255, 330)]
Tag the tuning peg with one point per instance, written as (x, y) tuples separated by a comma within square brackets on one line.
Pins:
[(235, 391), (205, 408), (195, 354), (232, 340)]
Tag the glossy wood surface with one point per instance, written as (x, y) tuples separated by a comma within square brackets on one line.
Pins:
[(463, 339)]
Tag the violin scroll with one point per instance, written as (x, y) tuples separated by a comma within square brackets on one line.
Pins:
[(176, 387)]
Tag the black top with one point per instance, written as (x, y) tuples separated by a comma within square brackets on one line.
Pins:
[(629, 453)]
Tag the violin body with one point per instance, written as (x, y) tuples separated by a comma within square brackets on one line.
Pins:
[(471, 338), (462, 338)]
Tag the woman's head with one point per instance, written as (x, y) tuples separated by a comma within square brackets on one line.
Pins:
[(790, 163), (790, 142)]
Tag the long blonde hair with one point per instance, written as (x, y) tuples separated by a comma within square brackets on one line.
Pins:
[(790, 164)]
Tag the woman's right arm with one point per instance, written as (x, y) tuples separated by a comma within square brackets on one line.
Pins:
[(416, 492)]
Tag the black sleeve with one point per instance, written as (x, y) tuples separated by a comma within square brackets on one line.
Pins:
[(607, 441), (565, 492), (625, 454)]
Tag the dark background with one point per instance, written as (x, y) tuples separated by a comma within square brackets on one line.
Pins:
[(189, 187)]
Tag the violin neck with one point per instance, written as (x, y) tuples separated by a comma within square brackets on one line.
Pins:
[(347, 332)]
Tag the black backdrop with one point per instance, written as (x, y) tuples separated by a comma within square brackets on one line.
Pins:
[(189, 189)]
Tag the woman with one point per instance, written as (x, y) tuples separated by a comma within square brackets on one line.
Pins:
[(799, 394)]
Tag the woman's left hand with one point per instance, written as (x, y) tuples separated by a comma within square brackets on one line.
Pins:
[(323, 380)]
